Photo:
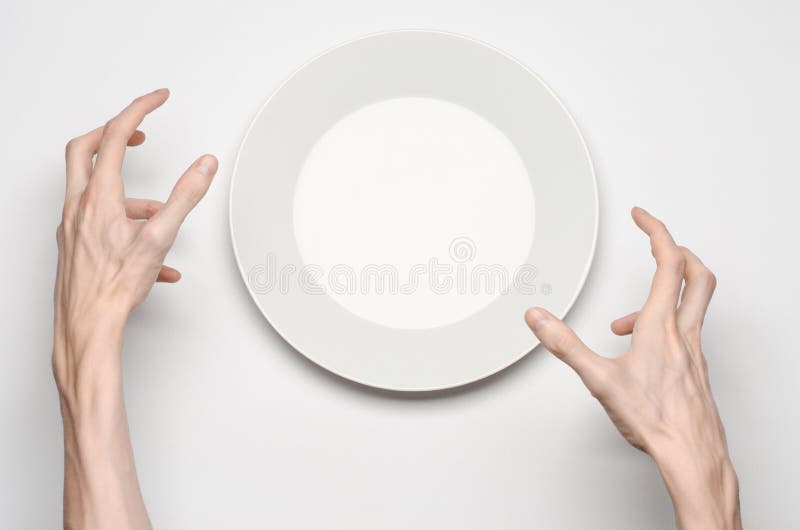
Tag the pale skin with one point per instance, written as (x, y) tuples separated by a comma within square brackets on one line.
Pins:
[(657, 392), (111, 252)]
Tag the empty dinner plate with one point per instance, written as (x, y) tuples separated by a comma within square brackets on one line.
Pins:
[(402, 199)]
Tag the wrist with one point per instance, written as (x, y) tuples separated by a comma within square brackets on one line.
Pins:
[(702, 483), (87, 360), (98, 325)]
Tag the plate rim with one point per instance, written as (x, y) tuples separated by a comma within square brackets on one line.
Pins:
[(573, 123)]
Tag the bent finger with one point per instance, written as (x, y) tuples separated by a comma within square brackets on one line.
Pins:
[(168, 275), (79, 154), (700, 285), (137, 138), (142, 208), (624, 325), (670, 262), (119, 130)]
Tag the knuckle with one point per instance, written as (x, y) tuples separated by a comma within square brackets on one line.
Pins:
[(658, 229), (705, 278), (140, 99), (710, 278), (674, 260), (70, 147), (111, 127), (153, 236), (74, 146)]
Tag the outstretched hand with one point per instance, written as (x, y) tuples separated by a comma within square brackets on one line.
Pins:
[(111, 250), (101, 227), (657, 393)]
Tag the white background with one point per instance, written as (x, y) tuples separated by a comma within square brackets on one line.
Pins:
[(689, 109)]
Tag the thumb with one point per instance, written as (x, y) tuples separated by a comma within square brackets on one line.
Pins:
[(557, 337), (187, 192)]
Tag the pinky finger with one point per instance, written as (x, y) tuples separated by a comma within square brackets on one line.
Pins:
[(168, 275), (137, 138), (624, 325), (142, 208)]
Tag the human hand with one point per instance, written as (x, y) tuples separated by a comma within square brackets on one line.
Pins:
[(657, 393), (111, 247), (110, 253)]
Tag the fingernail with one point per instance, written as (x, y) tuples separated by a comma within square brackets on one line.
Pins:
[(160, 91), (206, 166), (535, 317), (642, 209)]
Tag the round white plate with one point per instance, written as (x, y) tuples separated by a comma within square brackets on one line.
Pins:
[(402, 199)]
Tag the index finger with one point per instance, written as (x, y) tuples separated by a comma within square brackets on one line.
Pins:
[(119, 129), (670, 262)]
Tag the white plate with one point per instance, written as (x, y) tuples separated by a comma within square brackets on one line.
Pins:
[(527, 165)]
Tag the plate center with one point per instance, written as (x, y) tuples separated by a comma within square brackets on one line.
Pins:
[(413, 213)]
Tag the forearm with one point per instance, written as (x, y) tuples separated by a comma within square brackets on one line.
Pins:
[(101, 489), (702, 484)]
